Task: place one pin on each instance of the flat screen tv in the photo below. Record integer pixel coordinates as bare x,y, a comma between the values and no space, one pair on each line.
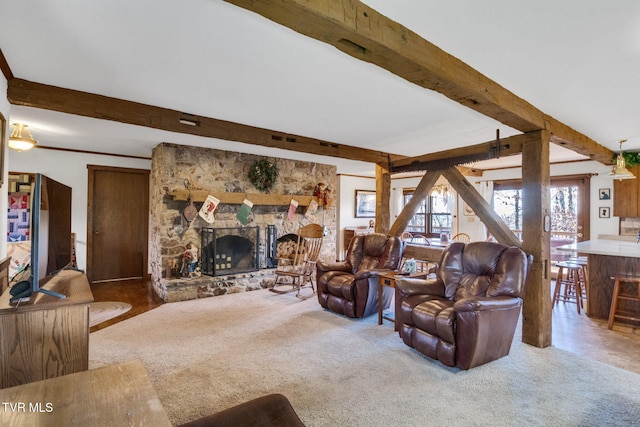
50,236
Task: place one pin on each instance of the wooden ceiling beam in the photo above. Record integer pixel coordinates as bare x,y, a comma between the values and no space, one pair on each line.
443,159
567,137
363,33
38,95
4,67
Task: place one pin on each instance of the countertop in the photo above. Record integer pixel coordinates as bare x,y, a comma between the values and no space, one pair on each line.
619,248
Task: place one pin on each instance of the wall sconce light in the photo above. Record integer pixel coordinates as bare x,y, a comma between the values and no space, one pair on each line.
21,138
620,170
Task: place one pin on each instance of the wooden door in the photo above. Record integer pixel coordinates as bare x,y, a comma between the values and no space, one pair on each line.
117,223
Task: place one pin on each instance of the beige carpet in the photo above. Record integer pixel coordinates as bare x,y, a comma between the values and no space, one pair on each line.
102,311
208,354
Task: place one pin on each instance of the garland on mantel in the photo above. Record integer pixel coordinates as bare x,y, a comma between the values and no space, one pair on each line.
263,174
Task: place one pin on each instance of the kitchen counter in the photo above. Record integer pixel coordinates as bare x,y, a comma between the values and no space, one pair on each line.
606,258
605,247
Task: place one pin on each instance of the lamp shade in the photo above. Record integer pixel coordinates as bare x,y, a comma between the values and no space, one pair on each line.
21,138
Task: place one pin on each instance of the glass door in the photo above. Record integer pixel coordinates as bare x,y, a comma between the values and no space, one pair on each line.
569,210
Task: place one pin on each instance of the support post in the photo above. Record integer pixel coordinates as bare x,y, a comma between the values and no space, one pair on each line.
383,197
536,312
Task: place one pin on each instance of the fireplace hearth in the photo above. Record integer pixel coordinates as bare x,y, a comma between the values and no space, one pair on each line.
229,250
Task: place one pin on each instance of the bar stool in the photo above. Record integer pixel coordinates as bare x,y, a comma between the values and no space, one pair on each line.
584,262
618,295
570,286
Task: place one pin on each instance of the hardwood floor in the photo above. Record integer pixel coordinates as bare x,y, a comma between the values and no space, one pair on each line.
589,337
138,293
573,332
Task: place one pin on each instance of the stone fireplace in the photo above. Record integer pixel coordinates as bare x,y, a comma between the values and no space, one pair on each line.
185,175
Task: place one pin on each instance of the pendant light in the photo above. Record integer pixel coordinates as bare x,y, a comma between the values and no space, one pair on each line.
620,170
21,138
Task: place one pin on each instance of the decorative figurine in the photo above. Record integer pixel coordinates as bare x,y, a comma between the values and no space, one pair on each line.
190,261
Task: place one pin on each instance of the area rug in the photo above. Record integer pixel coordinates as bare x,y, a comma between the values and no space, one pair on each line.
205,355
102,311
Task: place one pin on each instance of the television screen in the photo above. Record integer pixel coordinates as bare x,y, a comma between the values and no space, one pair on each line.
50,235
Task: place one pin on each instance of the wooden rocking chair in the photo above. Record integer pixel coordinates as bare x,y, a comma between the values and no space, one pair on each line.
300,267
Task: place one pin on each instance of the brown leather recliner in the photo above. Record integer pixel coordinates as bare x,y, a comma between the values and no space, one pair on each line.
467,315
350,287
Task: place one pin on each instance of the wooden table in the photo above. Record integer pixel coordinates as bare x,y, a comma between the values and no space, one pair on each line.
439,243
46,337
116,395
389,279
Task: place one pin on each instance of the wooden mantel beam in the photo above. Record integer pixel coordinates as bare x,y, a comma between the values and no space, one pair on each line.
38,95
362,32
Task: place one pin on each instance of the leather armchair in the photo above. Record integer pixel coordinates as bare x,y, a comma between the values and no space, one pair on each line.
350,287
467,314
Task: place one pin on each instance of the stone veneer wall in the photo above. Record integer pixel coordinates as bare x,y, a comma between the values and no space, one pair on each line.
176,166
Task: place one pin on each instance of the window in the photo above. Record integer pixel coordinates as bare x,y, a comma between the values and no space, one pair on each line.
569,210
433,215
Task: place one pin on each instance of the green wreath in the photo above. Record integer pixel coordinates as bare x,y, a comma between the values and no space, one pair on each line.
263,174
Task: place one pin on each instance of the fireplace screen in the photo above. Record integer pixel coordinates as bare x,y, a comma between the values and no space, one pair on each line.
229,250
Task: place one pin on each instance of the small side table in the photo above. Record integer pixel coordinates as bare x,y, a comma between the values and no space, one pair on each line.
389,279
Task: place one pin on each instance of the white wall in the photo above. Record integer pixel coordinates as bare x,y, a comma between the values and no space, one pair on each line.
69,169
347,186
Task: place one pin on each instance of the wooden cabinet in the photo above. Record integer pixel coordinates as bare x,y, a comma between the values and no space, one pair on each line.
46,337
626,201
349,232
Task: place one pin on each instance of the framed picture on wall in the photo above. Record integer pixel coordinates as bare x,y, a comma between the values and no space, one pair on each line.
365,204
604,194
604,212
466,209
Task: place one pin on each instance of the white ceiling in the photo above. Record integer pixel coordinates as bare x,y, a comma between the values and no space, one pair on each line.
577,60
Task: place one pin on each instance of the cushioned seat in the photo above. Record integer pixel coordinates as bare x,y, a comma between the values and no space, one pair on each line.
467,314
350,287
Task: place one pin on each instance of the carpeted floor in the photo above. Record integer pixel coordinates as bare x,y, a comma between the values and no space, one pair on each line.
205,355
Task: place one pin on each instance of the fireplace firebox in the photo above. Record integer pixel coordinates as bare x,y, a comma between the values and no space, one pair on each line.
229,250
